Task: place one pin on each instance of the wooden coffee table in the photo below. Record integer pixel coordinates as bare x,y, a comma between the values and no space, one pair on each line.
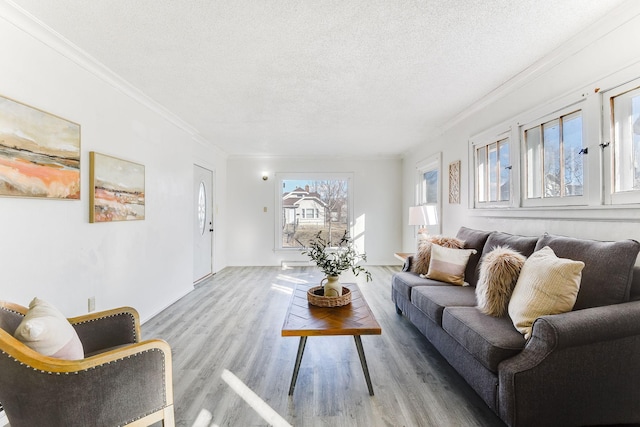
305,320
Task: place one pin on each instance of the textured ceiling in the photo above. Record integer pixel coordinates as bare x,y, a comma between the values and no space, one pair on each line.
312,77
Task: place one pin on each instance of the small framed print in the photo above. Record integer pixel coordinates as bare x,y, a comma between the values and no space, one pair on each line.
117,189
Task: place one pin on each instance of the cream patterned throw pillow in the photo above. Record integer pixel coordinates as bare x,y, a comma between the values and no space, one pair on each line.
448,265
499,272
547,285
46,330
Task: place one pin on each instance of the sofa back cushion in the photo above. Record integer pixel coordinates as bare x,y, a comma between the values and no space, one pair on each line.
523,244
607,274
473,239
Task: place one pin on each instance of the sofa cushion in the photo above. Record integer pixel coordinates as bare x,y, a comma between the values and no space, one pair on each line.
547,285
498,274
403,282
432,300
46,330
523,244
473,239
489,339
607,274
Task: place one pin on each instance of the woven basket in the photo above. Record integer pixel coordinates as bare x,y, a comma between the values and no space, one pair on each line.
316,297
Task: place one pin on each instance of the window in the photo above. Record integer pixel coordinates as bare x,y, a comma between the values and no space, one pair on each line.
493,172
310,203
428,187
622,121
554,166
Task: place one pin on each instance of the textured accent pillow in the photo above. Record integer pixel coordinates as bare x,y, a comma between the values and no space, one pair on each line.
46,330
422,258
499,271
547,285
448,264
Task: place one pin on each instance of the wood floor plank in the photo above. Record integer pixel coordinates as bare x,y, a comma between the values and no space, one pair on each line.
233,321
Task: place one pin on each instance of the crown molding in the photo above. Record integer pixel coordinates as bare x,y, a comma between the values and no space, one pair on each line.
23,20
580,41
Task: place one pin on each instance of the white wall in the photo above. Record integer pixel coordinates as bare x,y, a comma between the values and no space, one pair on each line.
251,231
583,64
48,247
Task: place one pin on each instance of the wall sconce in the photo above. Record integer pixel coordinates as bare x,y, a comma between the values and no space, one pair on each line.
265,176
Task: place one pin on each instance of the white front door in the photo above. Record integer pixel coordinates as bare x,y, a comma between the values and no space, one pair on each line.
203,223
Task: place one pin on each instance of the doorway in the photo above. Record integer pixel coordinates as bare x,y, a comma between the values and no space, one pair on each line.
203,223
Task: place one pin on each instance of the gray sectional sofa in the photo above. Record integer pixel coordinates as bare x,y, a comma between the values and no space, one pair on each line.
577,368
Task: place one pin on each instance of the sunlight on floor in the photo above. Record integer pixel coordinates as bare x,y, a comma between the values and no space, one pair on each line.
283,289
290,279
252,399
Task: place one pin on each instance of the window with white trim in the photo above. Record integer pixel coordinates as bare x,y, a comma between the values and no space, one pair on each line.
554,169
621,111
310,203
428,182
492,168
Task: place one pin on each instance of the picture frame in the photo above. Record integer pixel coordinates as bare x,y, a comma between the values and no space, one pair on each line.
454,182
117,189
39,153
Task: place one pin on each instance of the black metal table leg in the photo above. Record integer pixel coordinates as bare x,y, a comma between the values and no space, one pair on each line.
363,361
303,342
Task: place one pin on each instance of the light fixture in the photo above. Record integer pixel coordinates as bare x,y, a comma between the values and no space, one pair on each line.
265,176
423,215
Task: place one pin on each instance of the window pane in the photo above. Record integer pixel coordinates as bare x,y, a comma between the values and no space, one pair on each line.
431,186
505,173
626,123
572,144
551,153
481,156
534,164
493,172
310,206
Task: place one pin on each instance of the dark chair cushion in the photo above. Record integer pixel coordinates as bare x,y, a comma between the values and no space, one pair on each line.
489,339
635,285
473,239
432,300
607,273
524,245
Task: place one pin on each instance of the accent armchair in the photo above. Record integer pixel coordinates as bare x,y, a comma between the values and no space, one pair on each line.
121,381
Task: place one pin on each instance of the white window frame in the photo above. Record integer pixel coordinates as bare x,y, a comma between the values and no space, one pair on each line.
314,176
432,163
582,200
485,139
609,148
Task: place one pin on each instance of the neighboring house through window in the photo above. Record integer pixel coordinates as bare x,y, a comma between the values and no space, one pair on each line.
312,203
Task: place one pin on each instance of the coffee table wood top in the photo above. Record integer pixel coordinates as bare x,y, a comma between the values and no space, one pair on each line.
304,319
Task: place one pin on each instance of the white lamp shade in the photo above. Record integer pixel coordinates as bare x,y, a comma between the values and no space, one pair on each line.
423,215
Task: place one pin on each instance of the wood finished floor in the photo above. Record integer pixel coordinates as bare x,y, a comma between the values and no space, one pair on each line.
233,322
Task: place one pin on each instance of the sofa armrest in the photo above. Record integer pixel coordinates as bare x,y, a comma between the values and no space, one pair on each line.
577,368
107,329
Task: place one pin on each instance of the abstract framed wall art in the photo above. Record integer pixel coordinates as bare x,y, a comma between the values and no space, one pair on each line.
454,182
117,189
39,153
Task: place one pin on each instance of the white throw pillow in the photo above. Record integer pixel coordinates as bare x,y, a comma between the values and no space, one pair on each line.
46,330
546,285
